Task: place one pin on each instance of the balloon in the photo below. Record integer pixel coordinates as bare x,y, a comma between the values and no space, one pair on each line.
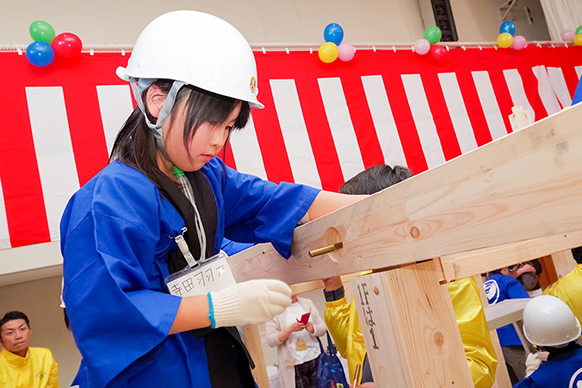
579,30
519,42
328,52
507,27
67,45
433,34
333,33
40,54
421,46
505,40
568,36
41,31
438,52
578,40
346,52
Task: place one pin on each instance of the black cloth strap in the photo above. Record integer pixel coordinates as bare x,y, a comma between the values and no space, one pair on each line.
228,357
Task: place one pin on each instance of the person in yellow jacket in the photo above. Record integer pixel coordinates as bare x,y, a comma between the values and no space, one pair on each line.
569,289
342,319
21,365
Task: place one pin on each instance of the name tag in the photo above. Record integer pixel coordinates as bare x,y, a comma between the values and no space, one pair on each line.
213,274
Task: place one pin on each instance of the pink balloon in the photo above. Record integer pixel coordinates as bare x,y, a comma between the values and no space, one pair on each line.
346,52
421,46
438,52
519,42
568,36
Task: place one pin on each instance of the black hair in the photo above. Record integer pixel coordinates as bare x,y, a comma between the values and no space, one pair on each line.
577,253
529,281
136,145
14,315
375,178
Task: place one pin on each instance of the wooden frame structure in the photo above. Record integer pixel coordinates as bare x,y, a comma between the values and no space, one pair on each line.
511,200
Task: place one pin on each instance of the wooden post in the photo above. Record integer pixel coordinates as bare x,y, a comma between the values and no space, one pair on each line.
255,348
502,379
564,263
409,328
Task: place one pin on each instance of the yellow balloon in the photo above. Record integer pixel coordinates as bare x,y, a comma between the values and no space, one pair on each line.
328,52
578,40
505,40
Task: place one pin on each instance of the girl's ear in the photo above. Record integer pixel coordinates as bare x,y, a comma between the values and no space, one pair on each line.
155,99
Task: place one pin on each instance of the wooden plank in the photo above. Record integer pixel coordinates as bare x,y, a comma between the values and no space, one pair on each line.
255,348
564,262
466,264
502,379
525,185
409,328
505,312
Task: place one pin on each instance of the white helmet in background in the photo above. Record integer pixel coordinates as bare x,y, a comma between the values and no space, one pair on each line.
198,49
548,321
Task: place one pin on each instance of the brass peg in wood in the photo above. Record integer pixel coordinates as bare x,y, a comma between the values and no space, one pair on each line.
326,249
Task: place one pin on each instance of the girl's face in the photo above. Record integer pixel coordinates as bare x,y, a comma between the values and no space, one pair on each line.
204,145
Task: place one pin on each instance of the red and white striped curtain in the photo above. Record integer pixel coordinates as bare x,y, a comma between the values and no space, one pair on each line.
323,123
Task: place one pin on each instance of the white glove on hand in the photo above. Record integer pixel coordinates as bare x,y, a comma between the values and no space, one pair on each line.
251,302
532,363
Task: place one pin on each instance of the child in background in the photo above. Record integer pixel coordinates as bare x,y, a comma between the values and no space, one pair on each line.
549,324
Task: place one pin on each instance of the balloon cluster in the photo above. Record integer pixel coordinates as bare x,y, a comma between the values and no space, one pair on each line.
507,37
333,48
432,35
46,45
570,36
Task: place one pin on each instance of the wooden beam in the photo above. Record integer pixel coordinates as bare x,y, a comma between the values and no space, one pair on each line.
466,264
255,348
502,379
409,329
564,262
525,185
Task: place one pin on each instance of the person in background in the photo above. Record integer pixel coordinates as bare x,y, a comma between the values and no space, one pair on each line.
498,287
569,287
528,274
21,365
296,342
343,322
550,325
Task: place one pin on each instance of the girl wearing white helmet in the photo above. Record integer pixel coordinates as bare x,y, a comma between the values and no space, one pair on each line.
194,78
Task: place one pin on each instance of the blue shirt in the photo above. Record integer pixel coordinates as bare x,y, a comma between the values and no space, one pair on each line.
498,288
115,235
564,370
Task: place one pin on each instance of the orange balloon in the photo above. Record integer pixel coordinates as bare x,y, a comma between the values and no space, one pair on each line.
505,40
328,52
578,40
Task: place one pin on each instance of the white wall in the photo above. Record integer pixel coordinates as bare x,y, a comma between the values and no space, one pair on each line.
479,20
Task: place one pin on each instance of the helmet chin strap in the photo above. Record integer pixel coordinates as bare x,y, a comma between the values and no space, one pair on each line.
138,86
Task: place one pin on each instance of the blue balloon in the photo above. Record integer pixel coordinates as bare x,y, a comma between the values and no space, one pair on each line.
333,33
40,54
507,26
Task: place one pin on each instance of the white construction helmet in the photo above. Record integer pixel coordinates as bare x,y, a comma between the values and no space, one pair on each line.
197,49
548,321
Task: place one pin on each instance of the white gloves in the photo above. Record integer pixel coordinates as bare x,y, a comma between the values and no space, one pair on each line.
251,302
532,363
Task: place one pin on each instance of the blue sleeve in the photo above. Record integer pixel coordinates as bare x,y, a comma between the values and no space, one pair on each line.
515,290
525,383
112,285
258,211
232,247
